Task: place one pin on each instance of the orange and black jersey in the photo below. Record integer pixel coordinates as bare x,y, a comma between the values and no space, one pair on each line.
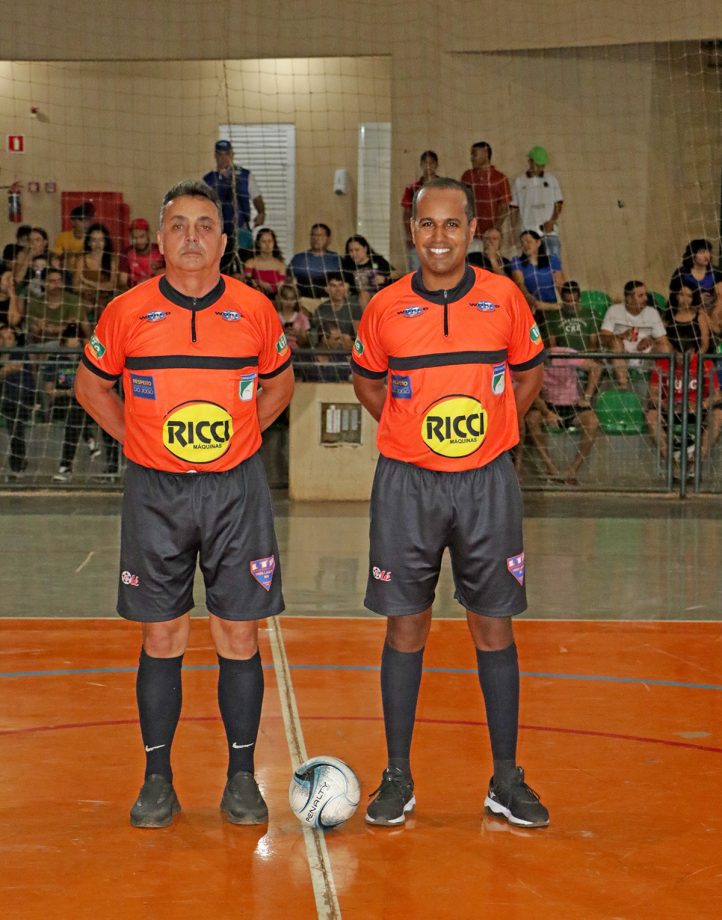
447,357
191,369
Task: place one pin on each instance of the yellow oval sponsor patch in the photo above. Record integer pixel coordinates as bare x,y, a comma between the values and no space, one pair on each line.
454,426
198,432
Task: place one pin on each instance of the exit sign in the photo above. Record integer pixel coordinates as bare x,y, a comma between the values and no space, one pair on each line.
16,143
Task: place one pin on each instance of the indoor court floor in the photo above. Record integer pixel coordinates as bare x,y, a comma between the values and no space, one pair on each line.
621,710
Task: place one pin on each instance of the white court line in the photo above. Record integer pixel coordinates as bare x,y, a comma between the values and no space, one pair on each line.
85,561
319,863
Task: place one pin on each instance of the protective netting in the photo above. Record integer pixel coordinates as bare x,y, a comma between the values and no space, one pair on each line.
631,129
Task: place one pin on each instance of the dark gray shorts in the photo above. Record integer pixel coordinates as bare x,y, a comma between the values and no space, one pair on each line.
223,520
416,513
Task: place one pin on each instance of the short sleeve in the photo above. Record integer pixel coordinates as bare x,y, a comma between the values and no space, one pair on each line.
556,188
658,330
504,189
555,263
105,352
369,357
609,320
526,348
253,189
274,354
514,194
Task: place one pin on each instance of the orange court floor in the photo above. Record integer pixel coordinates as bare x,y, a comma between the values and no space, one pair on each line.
620,734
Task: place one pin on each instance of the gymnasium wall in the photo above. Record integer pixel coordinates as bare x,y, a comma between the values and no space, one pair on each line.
614,90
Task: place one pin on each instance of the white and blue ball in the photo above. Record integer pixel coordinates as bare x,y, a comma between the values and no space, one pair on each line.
324,792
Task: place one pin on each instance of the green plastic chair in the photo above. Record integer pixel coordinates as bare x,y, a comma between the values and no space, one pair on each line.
596,301
660,301
620,412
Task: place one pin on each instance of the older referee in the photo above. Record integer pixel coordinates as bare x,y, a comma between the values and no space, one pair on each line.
205,368
432,363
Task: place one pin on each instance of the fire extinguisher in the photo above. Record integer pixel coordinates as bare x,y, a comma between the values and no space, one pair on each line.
15,204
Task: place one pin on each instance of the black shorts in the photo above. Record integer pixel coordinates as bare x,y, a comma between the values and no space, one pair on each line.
223,520
416,513
568,414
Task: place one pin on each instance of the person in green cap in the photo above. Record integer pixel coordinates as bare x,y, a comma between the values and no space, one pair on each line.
536,201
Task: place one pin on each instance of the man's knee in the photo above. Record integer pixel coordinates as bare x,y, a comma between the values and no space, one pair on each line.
490,633
408,633
166,640
236,639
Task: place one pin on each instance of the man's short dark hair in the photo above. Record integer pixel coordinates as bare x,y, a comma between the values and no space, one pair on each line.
631,286
429,154
446,183
482,145
571,287
324,227
191,188
23,230
335,276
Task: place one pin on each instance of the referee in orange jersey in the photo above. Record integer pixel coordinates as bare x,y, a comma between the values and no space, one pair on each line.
205,368
432,363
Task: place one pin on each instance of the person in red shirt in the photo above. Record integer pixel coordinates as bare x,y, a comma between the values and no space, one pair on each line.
429,163
205,368
142,259
432,363
491,190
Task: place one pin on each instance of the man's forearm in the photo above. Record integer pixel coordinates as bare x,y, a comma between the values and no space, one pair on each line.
105,406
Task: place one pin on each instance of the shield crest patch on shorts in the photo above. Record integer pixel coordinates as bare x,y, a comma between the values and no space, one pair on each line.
263,569
515,564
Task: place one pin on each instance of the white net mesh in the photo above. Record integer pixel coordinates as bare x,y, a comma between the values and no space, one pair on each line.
628,109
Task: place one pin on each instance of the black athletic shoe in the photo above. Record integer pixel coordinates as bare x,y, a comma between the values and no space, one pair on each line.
394,798
242,802
517,802
156,804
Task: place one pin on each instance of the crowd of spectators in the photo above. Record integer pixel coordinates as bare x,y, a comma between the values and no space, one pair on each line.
51,297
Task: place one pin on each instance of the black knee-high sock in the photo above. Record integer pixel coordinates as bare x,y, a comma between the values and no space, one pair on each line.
499,679
400,681
240,697
159,692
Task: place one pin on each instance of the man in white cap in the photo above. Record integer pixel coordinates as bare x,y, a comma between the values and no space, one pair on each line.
536,201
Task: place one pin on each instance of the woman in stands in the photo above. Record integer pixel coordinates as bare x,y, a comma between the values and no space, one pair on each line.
366,271
294,319
23,263
697,273
266,270
539,276
687,325
96,272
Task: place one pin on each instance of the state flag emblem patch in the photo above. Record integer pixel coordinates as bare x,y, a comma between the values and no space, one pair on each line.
515,564
262,570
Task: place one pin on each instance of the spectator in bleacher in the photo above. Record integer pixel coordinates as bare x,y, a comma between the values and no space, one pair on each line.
58,379
563,404
266,270
633,327
539,276
490,258
17,393
536,201
491,191
657,416
366,270
686,325
96,271
10,314
23,267
69,243
11,250
577,327
341,309
429,163
331,368
142,259
295,321
47,316
237,188
311,269
697,272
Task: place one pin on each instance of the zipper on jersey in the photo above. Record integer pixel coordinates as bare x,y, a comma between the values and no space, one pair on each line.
193,320
446,314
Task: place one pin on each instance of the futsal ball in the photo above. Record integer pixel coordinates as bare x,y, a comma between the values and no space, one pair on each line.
324,792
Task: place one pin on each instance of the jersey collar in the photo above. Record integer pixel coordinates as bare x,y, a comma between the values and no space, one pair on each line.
461,290
192,303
